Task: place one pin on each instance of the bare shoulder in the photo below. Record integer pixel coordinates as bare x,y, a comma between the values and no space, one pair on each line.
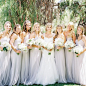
14,36
84,37
32,35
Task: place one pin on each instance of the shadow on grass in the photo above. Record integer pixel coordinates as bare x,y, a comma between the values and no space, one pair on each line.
56,84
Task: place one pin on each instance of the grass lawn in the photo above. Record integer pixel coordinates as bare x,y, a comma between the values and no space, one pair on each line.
60,84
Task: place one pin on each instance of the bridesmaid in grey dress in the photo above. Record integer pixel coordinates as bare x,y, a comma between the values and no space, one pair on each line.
60,56
35,55
5,56
15,56
79,68
69,35
25,56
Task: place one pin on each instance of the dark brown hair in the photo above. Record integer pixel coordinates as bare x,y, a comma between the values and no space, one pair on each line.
56,33
24,26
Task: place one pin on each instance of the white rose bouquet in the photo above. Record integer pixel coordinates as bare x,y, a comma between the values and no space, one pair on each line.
22,47
78,49
69,44
59,42
30,42
6,46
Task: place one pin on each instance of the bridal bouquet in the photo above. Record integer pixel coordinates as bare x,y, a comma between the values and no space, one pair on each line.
49,46
22,47
78,49
30,41
6,46
69,44
59,42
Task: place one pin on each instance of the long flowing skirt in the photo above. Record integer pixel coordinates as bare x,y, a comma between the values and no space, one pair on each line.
4,67
15,68
25,66
47,73
60,65
69,60
35,57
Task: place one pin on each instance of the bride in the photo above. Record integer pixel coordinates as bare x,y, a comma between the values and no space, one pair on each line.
47,73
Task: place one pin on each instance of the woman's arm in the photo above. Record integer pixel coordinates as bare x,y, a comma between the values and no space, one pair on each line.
84,40
13,38
74,37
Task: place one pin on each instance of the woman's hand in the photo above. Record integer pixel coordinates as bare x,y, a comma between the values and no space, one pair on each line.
58,47
39,46
29,47
81,52
1,48
18,51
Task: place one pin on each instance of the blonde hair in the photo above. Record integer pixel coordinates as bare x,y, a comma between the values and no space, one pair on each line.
34,26
48,24
8,22
72,25
81,27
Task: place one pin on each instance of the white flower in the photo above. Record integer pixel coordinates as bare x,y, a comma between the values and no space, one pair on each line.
6,45
59,42
69,44
50,46
78,49
39,42
22,47
30,41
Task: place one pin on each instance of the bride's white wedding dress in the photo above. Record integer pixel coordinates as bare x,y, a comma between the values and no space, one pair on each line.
4,64
15,64
47,73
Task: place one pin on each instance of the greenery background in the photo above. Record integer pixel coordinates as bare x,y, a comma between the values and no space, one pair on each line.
43,11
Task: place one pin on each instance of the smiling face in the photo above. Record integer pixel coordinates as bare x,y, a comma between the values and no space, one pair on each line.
49,28
18,29
79,31
69,27
59,29
37,27
28,26
7,27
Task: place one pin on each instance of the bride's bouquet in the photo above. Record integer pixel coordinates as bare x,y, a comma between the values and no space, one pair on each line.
49,46
6,46
59,42
78,49
22,47
69,44
30,42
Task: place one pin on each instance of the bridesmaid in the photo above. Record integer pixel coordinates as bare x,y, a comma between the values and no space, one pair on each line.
69,35
15,56
5,56
25,57
60,56
47,73
35,55
79,74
